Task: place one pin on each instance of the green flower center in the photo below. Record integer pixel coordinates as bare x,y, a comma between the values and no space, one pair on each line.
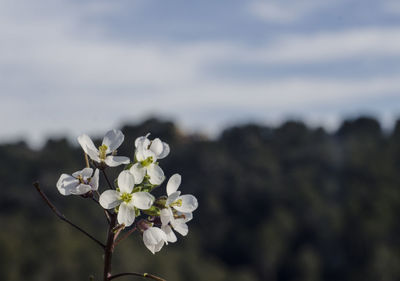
147,161
102,151
177,203
126,197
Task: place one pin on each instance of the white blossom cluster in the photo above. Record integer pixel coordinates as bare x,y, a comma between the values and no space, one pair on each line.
131,197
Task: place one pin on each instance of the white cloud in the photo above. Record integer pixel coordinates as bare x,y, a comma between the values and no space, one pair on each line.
286,11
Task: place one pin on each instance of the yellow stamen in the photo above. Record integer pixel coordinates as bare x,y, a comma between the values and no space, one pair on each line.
102,151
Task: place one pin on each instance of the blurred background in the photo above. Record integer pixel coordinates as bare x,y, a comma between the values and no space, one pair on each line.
281,117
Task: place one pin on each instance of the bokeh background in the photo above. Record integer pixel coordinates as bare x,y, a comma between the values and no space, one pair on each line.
281,117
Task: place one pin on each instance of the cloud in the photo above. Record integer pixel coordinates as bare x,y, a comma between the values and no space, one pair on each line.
286,11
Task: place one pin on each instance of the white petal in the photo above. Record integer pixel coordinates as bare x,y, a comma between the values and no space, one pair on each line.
153,237
189,204
126,181
94,182
138,171
180,227
81,189
85,173
88,146
186,216
172,198
114,161
86,142
113,139
66,183
142,200
110,199
166,216
156,146
93,154
142,141
156,174
165,151
126,214
158,247
171,237
173,183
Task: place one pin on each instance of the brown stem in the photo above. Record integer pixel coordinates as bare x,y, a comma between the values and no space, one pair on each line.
61,216
87,161
125,236
109,249
143,275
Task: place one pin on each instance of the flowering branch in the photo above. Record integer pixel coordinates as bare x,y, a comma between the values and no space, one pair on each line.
130,197
144,275
61,216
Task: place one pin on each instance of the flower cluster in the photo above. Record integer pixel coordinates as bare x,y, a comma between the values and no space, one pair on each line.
131,196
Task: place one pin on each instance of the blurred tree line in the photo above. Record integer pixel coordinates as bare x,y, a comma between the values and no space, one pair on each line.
287,203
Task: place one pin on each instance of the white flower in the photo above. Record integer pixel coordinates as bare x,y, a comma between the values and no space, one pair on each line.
125,199
111,141
154,239
79,183
184,205
147,153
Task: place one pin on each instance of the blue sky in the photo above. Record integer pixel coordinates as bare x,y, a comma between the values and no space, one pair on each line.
68,67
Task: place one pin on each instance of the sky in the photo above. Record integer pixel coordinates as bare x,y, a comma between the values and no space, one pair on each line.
69,67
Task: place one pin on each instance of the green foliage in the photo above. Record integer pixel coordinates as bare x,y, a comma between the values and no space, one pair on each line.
286,203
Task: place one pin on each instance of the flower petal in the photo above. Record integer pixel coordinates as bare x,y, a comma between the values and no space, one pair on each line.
94,182
138,171
172,198
142,141
171,237
88,146
158,247
126,214
166,216
156,174
142,200
165,151
85,173
81,189
154,239
156,146
189,204
113,139
66,184
180,227
110,199
114,161
173,183
93,154
126,181
185,216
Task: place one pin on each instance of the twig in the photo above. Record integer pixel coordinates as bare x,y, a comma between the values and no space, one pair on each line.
61,216
109,248
87,161
143,275
125,236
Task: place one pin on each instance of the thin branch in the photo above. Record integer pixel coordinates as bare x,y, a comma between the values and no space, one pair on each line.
108,181
61,216
106,212
143,275
125,236
87,161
